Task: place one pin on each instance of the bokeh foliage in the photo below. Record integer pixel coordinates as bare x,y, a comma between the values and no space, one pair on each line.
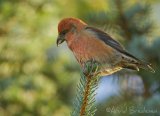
37,78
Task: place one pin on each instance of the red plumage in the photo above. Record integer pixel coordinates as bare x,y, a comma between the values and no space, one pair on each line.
88,43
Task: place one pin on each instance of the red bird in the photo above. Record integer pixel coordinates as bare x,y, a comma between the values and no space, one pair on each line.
88,43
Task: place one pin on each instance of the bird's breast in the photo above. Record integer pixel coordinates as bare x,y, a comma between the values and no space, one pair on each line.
80,50
86,48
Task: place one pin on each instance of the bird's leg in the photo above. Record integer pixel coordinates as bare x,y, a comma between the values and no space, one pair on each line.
90,68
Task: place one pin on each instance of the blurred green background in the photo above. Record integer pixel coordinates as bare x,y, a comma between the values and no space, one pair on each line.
39,79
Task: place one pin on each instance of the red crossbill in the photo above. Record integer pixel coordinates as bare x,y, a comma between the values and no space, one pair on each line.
89,43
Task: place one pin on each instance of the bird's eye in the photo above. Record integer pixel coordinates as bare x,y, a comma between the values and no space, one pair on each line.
64,32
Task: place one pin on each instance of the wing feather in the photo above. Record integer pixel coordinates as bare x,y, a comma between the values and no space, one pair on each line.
110,41
132,60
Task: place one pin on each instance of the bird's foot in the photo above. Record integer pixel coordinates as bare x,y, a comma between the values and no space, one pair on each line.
90,68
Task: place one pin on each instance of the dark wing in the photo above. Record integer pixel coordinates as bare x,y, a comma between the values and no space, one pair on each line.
109,41
114,44
106,38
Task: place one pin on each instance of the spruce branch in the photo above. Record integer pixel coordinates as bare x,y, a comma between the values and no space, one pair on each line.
84,103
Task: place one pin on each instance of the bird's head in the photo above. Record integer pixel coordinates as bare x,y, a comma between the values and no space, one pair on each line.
68,26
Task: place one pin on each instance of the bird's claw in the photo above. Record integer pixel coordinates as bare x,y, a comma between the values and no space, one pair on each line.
90,68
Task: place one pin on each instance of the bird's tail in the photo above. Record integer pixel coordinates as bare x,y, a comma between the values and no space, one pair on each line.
145,66
131,62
